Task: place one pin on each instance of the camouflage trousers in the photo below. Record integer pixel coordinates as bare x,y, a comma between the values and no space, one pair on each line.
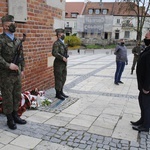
60,73
11,93
135,59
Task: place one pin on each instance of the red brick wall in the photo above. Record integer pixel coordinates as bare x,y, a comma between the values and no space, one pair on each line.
38,44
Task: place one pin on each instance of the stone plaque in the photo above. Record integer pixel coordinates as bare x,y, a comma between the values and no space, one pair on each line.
18,8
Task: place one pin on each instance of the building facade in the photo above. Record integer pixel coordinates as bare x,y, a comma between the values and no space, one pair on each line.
105,22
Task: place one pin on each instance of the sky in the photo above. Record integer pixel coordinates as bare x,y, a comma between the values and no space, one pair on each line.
90,0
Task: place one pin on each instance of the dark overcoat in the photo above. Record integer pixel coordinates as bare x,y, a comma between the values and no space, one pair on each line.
143,70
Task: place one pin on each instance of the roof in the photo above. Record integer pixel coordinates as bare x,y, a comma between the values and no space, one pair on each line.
74,7
114,8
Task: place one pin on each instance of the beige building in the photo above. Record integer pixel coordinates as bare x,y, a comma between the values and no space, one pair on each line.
105,22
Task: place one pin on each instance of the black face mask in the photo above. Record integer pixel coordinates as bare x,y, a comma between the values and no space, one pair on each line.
62,37
122,43
147,42
12,27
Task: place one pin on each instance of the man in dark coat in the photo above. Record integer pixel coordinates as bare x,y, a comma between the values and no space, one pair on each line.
10,73
143,79
60,52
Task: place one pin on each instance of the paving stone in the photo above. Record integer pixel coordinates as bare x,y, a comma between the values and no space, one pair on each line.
112,148
106,147
76,140
70,143
55,140
134,144
82,141
86,138
112,144
75,144
82,146
89,142
26,142
125,148
99,145
64,137
133,148
88,147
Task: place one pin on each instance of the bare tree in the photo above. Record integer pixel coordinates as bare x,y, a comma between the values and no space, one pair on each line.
140,8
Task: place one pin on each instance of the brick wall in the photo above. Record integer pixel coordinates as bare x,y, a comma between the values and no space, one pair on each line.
38,44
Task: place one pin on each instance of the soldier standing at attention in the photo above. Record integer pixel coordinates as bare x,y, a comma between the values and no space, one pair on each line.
60,52
136,51
10,73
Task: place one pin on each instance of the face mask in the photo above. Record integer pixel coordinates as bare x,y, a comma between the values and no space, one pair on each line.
62,37
147,42
12,27
122,43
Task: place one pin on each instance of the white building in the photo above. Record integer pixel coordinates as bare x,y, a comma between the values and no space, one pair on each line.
102,21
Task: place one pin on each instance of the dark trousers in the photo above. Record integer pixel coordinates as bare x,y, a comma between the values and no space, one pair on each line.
119,69
60,73
144,103
135,59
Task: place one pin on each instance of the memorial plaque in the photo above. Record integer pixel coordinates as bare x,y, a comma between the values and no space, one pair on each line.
18,8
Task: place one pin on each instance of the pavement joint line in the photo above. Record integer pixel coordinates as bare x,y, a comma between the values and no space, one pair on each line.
103,94
85,61
85,76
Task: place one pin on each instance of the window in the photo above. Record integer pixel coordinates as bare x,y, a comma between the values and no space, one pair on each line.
116,34
127,34
104,11
106,35
74,15
90,11
118,21
67,24
75,25
97,11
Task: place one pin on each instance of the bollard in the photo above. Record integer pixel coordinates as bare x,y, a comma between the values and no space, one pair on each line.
78,51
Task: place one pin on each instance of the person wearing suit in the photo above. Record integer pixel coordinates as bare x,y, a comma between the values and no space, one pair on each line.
143,80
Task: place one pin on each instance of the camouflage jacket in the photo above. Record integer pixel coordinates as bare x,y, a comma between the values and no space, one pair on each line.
137,50
7,53
59,50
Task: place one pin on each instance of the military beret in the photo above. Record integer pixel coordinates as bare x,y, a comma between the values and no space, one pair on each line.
59,30
147,36
7,18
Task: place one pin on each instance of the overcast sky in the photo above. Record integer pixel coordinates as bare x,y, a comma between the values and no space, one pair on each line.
90,0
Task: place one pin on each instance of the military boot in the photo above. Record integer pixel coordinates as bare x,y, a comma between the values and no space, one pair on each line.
59,96
17,119
63,94
10,122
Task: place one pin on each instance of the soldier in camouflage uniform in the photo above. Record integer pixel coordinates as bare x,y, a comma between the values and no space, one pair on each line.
136,51
59,51
10,73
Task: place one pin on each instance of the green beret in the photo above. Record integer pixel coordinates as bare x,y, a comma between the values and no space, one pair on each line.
59,30
7,18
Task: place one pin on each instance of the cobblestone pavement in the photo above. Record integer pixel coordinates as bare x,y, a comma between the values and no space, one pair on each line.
96,116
